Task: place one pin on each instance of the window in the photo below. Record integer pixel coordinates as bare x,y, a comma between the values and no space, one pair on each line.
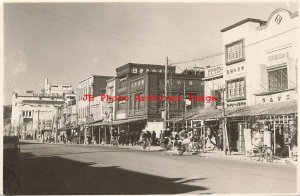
278,79
236,89
235,52
26,114
217,94
122,105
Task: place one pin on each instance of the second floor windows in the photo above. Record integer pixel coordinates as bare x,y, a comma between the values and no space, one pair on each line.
234,52
278,79
26,114
236,89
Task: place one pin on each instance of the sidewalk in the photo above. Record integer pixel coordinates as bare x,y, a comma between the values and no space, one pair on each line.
239,156
210,153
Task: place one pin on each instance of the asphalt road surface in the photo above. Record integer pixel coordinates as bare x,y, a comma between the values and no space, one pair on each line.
66,169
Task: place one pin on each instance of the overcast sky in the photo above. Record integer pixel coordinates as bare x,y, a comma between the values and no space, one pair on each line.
66,42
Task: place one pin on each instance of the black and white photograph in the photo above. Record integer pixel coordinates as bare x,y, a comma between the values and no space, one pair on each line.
150,98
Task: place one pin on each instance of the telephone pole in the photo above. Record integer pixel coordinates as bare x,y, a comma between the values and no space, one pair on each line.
225,134
166,93
184,111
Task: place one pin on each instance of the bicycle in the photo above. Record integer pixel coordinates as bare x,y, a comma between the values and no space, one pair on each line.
266,153
146,144
115,143
195,147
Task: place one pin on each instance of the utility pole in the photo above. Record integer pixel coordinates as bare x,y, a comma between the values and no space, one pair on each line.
184,111
166,93
39,122
225,134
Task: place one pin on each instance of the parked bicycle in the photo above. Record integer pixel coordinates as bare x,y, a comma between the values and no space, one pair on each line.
146,144
266,153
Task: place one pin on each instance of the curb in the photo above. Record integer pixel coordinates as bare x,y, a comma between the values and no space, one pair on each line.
158,148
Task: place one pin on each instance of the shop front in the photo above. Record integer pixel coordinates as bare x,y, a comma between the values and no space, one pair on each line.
273,125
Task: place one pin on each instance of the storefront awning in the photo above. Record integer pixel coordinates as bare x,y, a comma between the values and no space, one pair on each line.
127,121
278,108
206,113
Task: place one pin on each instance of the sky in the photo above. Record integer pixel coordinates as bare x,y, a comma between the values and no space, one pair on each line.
66,42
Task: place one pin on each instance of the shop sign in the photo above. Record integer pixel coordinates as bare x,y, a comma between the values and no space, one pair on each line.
233,70
278,57
121,116
236,104
277,97
143,70
214,71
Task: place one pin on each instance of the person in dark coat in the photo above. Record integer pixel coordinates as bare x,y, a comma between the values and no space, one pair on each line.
153,138
132,137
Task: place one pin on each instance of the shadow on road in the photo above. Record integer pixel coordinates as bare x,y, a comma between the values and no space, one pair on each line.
56,175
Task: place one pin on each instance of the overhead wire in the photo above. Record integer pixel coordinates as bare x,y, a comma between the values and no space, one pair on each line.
95,30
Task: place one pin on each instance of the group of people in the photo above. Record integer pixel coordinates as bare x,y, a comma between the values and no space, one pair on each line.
205,138
134,137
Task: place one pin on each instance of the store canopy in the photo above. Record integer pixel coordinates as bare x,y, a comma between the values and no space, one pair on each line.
127,121
101,123
206,113
278,108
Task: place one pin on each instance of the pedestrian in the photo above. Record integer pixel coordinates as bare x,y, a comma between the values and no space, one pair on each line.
127,136
153,138
132,137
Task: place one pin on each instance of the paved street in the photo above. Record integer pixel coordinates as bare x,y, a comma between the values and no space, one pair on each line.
63,169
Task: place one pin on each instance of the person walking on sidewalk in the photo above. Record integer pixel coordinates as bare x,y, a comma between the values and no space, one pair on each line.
153,138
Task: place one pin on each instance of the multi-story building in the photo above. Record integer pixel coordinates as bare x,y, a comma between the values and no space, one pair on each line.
88,89
260,72
138,80
32,113
93,85
110,106
57,89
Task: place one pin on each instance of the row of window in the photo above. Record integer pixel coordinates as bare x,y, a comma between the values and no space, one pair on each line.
137,83
236,89
27,114
277,80
235,52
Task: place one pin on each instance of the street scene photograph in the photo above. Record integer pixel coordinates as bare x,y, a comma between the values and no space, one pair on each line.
150,98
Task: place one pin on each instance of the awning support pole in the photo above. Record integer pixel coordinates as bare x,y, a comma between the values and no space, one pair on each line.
105,135
274,137
99,129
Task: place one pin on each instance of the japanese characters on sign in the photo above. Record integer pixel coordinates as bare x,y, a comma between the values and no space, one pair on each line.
278,57
235,70
237,104
143,70
214,71
277,97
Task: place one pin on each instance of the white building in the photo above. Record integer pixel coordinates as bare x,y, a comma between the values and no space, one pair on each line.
29,109
110,106
260,73
260,57
57,89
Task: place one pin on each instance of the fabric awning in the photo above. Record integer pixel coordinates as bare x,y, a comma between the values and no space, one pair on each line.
278,108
